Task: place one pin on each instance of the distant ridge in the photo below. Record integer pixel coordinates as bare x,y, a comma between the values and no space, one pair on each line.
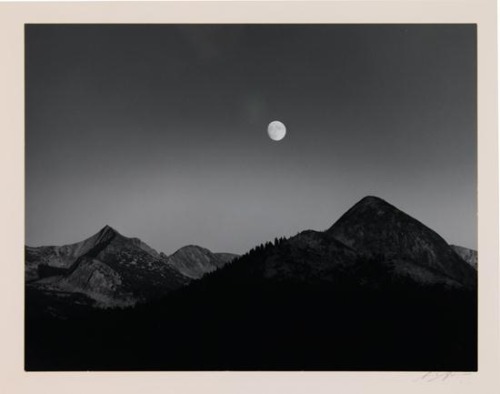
194,261
116,271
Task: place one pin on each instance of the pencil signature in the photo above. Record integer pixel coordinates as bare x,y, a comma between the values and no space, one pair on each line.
441,376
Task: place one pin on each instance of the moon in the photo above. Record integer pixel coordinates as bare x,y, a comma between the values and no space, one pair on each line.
276,130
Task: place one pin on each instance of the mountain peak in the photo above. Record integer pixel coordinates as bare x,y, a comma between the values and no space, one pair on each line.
367,208
107,229
106,233
372,200
373,227
371,203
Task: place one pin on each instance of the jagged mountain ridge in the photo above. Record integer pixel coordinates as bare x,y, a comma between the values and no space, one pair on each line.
111,269
65,256
310,302
114,270
124,271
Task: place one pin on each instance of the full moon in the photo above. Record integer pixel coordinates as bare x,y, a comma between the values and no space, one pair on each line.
276,130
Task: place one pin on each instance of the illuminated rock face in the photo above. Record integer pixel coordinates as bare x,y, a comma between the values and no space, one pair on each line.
108,268
116,271
194,261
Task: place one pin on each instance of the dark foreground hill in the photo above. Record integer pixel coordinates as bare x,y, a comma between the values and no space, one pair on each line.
377,291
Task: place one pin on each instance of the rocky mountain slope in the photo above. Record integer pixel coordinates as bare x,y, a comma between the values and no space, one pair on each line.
116,271
63,257
468,255
194,261
373,244
109,268
375,228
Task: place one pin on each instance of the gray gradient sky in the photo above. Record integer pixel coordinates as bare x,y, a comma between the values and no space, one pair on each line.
160,130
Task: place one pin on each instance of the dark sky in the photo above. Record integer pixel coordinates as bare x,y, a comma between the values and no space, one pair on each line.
160,130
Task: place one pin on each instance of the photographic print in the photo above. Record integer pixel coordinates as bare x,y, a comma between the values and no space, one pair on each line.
251,197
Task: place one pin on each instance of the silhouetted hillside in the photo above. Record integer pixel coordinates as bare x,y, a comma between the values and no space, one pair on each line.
374,227
377,291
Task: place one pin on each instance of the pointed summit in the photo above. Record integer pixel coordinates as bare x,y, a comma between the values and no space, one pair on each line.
369,206
105,235
107,229
108,268
373,227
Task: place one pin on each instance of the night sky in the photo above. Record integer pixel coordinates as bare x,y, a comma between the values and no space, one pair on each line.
161,130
